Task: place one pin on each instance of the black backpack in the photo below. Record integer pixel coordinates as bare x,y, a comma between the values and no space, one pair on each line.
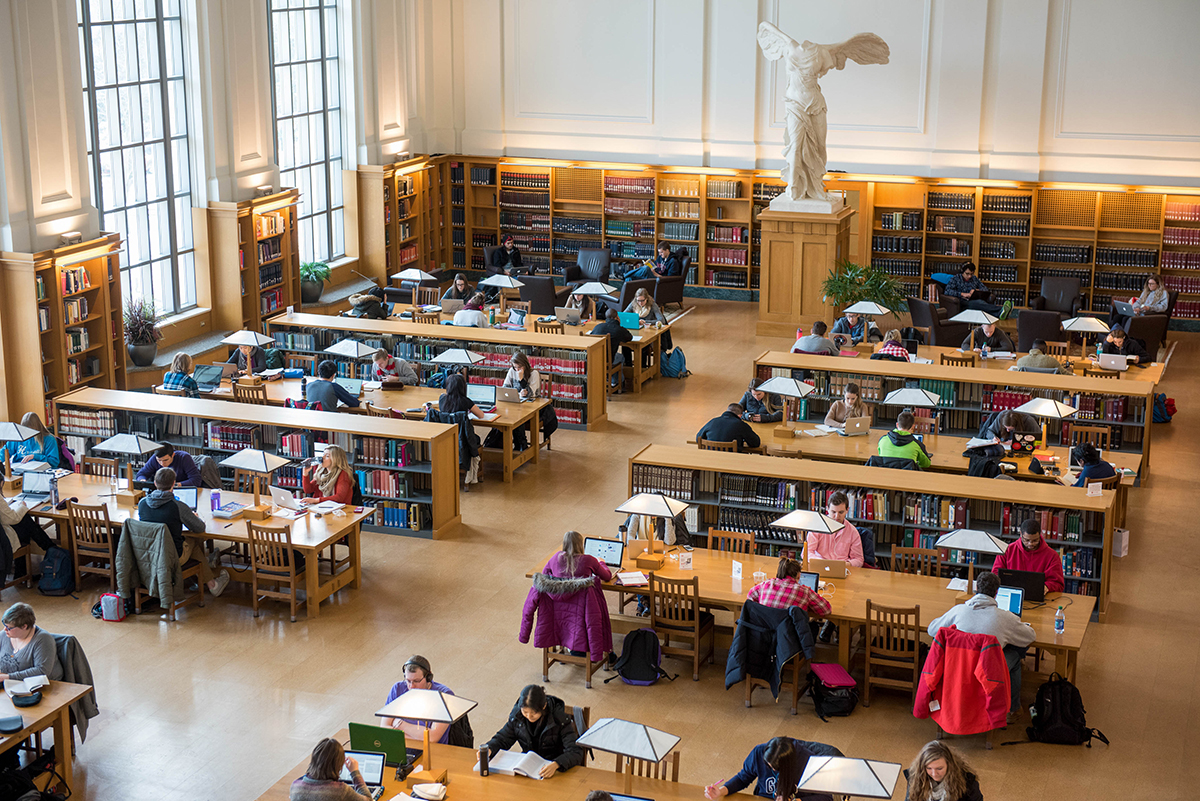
461,733
831,701
58,575
1058,715
641,654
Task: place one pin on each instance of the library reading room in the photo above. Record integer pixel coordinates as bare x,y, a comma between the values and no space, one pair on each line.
599,400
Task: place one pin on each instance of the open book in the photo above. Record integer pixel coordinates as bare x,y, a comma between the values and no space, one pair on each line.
513,763
29,686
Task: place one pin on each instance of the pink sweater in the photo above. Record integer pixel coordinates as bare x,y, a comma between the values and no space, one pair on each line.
1042,560
845,544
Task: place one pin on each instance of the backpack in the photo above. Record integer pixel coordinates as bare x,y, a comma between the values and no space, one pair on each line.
58,575
1058,715
461,733
674,364
833,691
65,455
274,358
641,655
1163,408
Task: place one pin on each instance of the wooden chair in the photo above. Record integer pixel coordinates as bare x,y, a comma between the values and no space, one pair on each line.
559,655
674,611
1094,372
272,563
730,541
1059,350
555,327
1110,483
161,390
425,296
189,571
243,480
305,361
926,425
893,643
255,394
1097,435
95,466
427,318
506,304
667,770
93,543
615,369
790,680
921,561
950,360
715,445
379,411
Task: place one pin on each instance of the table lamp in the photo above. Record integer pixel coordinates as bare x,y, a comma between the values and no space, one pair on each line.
869,309
416,275
12,432
594,288
1046,409
969,539
912,396
351,348
428,706
247,337
457,356
806,520
660,507
1085,325
630,740
128,445
501,282
260,463
974,317
847,776
789,388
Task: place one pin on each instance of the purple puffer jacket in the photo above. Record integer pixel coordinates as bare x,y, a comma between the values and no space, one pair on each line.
571,612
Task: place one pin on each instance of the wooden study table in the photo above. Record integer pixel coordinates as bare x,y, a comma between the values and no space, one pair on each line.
1152,372
463,783
310,535
507,418
52,712
719,589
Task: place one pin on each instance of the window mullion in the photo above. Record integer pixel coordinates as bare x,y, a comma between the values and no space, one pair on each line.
168,156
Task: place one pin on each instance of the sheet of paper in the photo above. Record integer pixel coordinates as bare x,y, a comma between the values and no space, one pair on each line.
827,429
737,569
286,514
958,585
815,432
325,507
488,417
1002,354
979,442
920,360
637,337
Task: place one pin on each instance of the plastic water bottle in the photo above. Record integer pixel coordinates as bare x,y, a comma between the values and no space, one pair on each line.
983,351
1060,622
54,490
214,499
491,316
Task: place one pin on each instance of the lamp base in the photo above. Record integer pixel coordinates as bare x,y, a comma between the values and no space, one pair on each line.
426,777
650,561
260,512
127,497
785,431
11,484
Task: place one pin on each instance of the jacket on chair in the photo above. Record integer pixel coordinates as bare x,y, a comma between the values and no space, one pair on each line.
765,639
966,678
570,612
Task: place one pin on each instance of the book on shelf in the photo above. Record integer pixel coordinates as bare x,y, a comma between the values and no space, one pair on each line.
723,190
269,224
75,280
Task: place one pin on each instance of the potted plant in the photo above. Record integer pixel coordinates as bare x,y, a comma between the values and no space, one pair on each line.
848,283
313,275
141,331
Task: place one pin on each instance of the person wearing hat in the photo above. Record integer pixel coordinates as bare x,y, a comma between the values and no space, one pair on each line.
418,675
506,260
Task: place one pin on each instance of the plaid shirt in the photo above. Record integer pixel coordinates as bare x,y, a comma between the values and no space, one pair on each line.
181,381
785,592
894,348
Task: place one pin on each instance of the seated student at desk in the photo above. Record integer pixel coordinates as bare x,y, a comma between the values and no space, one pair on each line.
1002,426
523,377
331,480
785,591
322,781
418,675
759,406
845,543
616,333
20,527
981,615
729,427
901,444
816,342
455,399
506,259
775,767
471,314
26,649
459,290
1118,341
855,327
891,347
991,336
1153,300
1034,554
849,406
249,359
1094,467
539,722
186,472
160,506
1038,359
180,376
385,367
41,447
323,390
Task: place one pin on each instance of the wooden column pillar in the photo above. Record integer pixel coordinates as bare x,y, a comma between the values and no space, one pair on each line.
798,251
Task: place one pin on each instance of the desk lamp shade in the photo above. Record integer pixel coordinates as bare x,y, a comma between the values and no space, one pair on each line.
1046,407
629,739
969,539
594,288
428,706
975,317
255,461
351,348
128,444
457,356
809,520
653,504
248,338
501,281
1086,325
788,387
912,396
15,432
863,778
867,307
413,274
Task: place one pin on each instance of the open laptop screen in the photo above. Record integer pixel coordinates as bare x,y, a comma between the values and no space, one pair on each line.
610,552
35,482
809,580
370,765
482,393
1010,598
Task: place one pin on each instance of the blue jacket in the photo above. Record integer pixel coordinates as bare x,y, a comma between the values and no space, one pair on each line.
856,332
47,452
755,769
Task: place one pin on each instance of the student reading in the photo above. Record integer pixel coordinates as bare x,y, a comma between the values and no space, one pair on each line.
41,447
729,427
186,472
539,722
775,768
972,291
939,773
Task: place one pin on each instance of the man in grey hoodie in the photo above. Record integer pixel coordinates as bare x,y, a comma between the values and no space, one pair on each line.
981,615
160,506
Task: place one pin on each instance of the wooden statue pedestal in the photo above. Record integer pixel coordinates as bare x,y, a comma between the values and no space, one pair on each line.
797,253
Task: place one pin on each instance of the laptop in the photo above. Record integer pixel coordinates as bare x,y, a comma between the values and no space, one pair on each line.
1114,361
190,496
284,499
1032,582
810,580
856,427
208,376
351,385
227,370
450,306
370,765
1010,598
829,568
610,552
911,345
35,488
482,394
1124,307
367,737
630,320
567,316
516,317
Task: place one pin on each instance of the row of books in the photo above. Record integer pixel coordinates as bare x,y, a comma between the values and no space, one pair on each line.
677,230
269,224
458,237
725,256
270,249
951,200
950,247
231,436
779,493
43,318
1004,226
572,246
404,230
905,267
39,285
886,243
677,482
1114,408
75,279
1126,257
950,225
1175,260
1062,252
481,239
1178,283
1080,562
390,452
725,278
578,225
270,301
625,205
531,244
75,310
524,200
1004,273
997,250
514,220
1057,524
997,400
405,185
631,186
629,228
1181,236
630,250
767,192
1077,587
87,422
900,220
724,233
723,190
78,370
391,514
1183,212
1039,274
1012,203
382,483
482,176
295,445
408,253
458,195
270,275
679,187
1131,282
679,209
526,180
77,340
404,208
755,522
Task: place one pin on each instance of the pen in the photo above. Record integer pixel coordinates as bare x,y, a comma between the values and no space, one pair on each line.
227,525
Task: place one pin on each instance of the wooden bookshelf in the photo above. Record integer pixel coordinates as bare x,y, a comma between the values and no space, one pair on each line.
430,474
747,492
65,306
574,365
969,395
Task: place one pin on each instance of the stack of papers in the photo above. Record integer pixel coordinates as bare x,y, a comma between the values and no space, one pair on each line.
827,429
29,467
634,578
980,442
920,360
815,432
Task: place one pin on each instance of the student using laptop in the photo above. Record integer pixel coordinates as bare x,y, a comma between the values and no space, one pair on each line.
1153,300
41,447
981,615
775,768
161,506
1034,554
522,377
385,367
816,342
648,313
186,472
1094,467
729,427
759,406
459,290
1119,342
180,376
849,406
856,327
901,444
455,399
892,346
321,783
616,333
249,359
592,623
324,390
844,544
20,526
785,590
967,286
1038,359
991,336
418,675
331,480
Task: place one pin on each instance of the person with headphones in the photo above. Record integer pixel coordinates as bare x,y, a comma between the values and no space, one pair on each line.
418,675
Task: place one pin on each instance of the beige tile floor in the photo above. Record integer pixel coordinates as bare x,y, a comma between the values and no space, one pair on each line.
220,705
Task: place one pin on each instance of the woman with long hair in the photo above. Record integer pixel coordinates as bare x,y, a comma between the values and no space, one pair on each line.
521,375
331,480
321,781
939,773
41,447
1152,300
455,399
760,407
849,406
539,722
180,376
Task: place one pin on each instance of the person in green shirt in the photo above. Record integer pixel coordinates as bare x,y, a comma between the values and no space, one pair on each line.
901,444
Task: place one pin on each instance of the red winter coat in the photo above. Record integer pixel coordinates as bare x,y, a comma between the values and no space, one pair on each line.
570,612
967,676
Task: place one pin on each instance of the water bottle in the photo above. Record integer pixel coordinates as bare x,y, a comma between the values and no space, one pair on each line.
483,761
491,316
214,499
983,351
1060,622
303,387
54,490
1099,350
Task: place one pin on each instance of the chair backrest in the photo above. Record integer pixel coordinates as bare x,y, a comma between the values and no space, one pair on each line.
89,524
425,296
250,393
378,411
539,291
1112,482
630,288
1060,293
673,602
926,425
667,769
966,360
594,263
305,361
161,390
95,466
427,318
243,480
1092,372
1150,330
268,548
1097,435
548,328
1172,296
894,632
921,561
1059,350
730,541
488,250
506,304
716,445
1035,324
893,462
921,312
